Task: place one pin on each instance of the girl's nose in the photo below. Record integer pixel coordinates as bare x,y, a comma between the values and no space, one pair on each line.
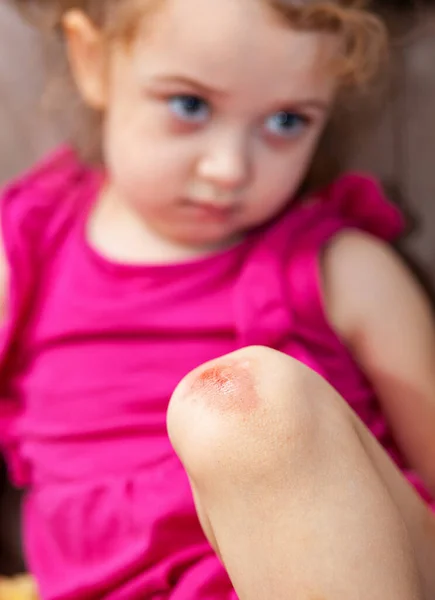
226,166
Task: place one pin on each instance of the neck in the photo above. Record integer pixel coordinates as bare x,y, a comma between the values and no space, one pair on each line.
119,233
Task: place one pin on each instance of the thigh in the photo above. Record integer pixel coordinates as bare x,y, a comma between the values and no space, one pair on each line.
418,516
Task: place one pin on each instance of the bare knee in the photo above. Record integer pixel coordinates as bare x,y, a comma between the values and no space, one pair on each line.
241,414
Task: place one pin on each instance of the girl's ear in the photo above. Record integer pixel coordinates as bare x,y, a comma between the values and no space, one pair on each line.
87,54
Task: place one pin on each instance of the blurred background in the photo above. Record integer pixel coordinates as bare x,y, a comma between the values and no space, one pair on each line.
395,140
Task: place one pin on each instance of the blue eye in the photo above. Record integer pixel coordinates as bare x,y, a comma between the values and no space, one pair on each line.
189,108
286,124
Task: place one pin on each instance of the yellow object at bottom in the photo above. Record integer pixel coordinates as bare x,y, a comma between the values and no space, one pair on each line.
22,587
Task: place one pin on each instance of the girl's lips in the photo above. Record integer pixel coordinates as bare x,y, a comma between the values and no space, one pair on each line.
208,210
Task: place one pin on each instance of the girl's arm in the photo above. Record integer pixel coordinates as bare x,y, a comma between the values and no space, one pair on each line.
383,315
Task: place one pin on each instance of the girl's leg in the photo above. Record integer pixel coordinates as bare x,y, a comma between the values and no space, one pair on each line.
292,491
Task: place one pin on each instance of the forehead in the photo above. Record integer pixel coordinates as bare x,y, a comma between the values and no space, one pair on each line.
235,45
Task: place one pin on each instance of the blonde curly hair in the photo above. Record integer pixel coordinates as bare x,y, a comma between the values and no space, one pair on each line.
363,49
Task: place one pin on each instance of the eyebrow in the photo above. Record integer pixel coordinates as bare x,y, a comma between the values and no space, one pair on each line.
189,81
301,103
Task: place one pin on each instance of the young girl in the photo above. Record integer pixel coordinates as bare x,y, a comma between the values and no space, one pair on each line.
183,243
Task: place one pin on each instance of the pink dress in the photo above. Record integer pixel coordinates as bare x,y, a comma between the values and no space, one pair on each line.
92,350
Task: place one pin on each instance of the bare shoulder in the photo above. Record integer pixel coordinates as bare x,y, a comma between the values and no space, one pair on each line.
364,278
360,257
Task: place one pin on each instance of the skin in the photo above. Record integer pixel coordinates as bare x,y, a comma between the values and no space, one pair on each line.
230,387
391,334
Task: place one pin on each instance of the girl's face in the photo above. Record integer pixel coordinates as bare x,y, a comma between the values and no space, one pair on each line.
212,116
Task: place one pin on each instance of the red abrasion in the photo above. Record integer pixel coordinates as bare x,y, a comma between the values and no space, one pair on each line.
228,387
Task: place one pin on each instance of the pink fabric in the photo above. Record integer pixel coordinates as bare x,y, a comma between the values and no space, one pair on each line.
92,351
